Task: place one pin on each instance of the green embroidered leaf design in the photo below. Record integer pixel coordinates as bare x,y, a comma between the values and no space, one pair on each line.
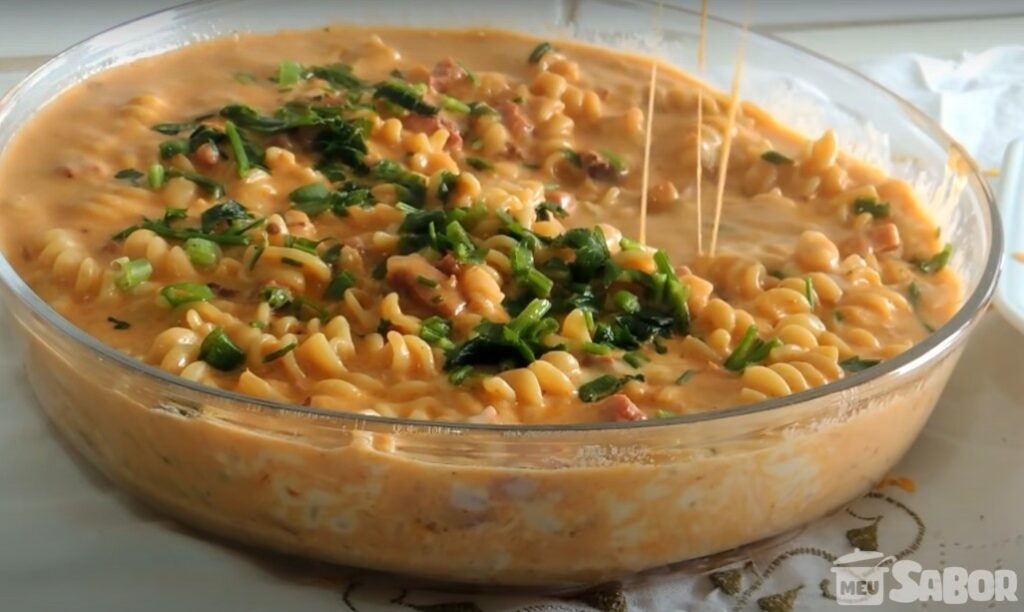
730,581
606,598
780,602
864,538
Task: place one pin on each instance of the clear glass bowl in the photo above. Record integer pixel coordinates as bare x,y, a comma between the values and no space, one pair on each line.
555,505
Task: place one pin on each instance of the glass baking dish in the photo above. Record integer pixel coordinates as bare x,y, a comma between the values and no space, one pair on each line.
514,505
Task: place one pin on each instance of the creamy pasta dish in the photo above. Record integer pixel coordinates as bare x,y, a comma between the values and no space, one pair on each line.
447,226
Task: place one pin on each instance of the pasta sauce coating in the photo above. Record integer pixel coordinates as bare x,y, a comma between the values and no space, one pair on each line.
442,225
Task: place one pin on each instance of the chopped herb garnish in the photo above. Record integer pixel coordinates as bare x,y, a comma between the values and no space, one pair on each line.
301,304
404,95
774,157
132,273
936,262
215,188
220,352
446,185
436,331
341,283
547,209
873,207
383,326
155,176
914,297
838,316
539,52
454,105
202,251
281,352
856,364
237,149
470,75
605,385
185,293
685,377
635,359
426,282
664,414
626,301
478,109
478,163
809,290
118,323
615,160
289,73
276,297
129,174
414,185
170,148
173,129
573,157
460,374
597,349
750,350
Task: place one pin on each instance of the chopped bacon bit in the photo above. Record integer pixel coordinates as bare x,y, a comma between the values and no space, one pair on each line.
514,119
621,408
449,265
428,125
222,291
81,168
110,247
207,154
408,273
597,167
446,74
884,237
877,239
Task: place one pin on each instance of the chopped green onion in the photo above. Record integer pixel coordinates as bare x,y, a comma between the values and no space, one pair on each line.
615,160
573,157
685,377
281,352
118,323
603,386
185,293
288,73
276,297
539,52
214,187
202,252
626,301
173,129
339,285
237,149
460,374
871,206
446,185
809,290
426,282
303,303
436,331
635,359
220,352
937,262
128,174
478,163
170,148
454,105
838,316
774,157
597,349
132,273
470,75
155,176
856,364
403,95
664,414
627,244
750,350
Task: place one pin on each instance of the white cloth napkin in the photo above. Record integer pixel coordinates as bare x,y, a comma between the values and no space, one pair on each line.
978,99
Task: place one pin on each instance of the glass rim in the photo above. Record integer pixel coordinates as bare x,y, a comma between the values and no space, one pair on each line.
913,358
